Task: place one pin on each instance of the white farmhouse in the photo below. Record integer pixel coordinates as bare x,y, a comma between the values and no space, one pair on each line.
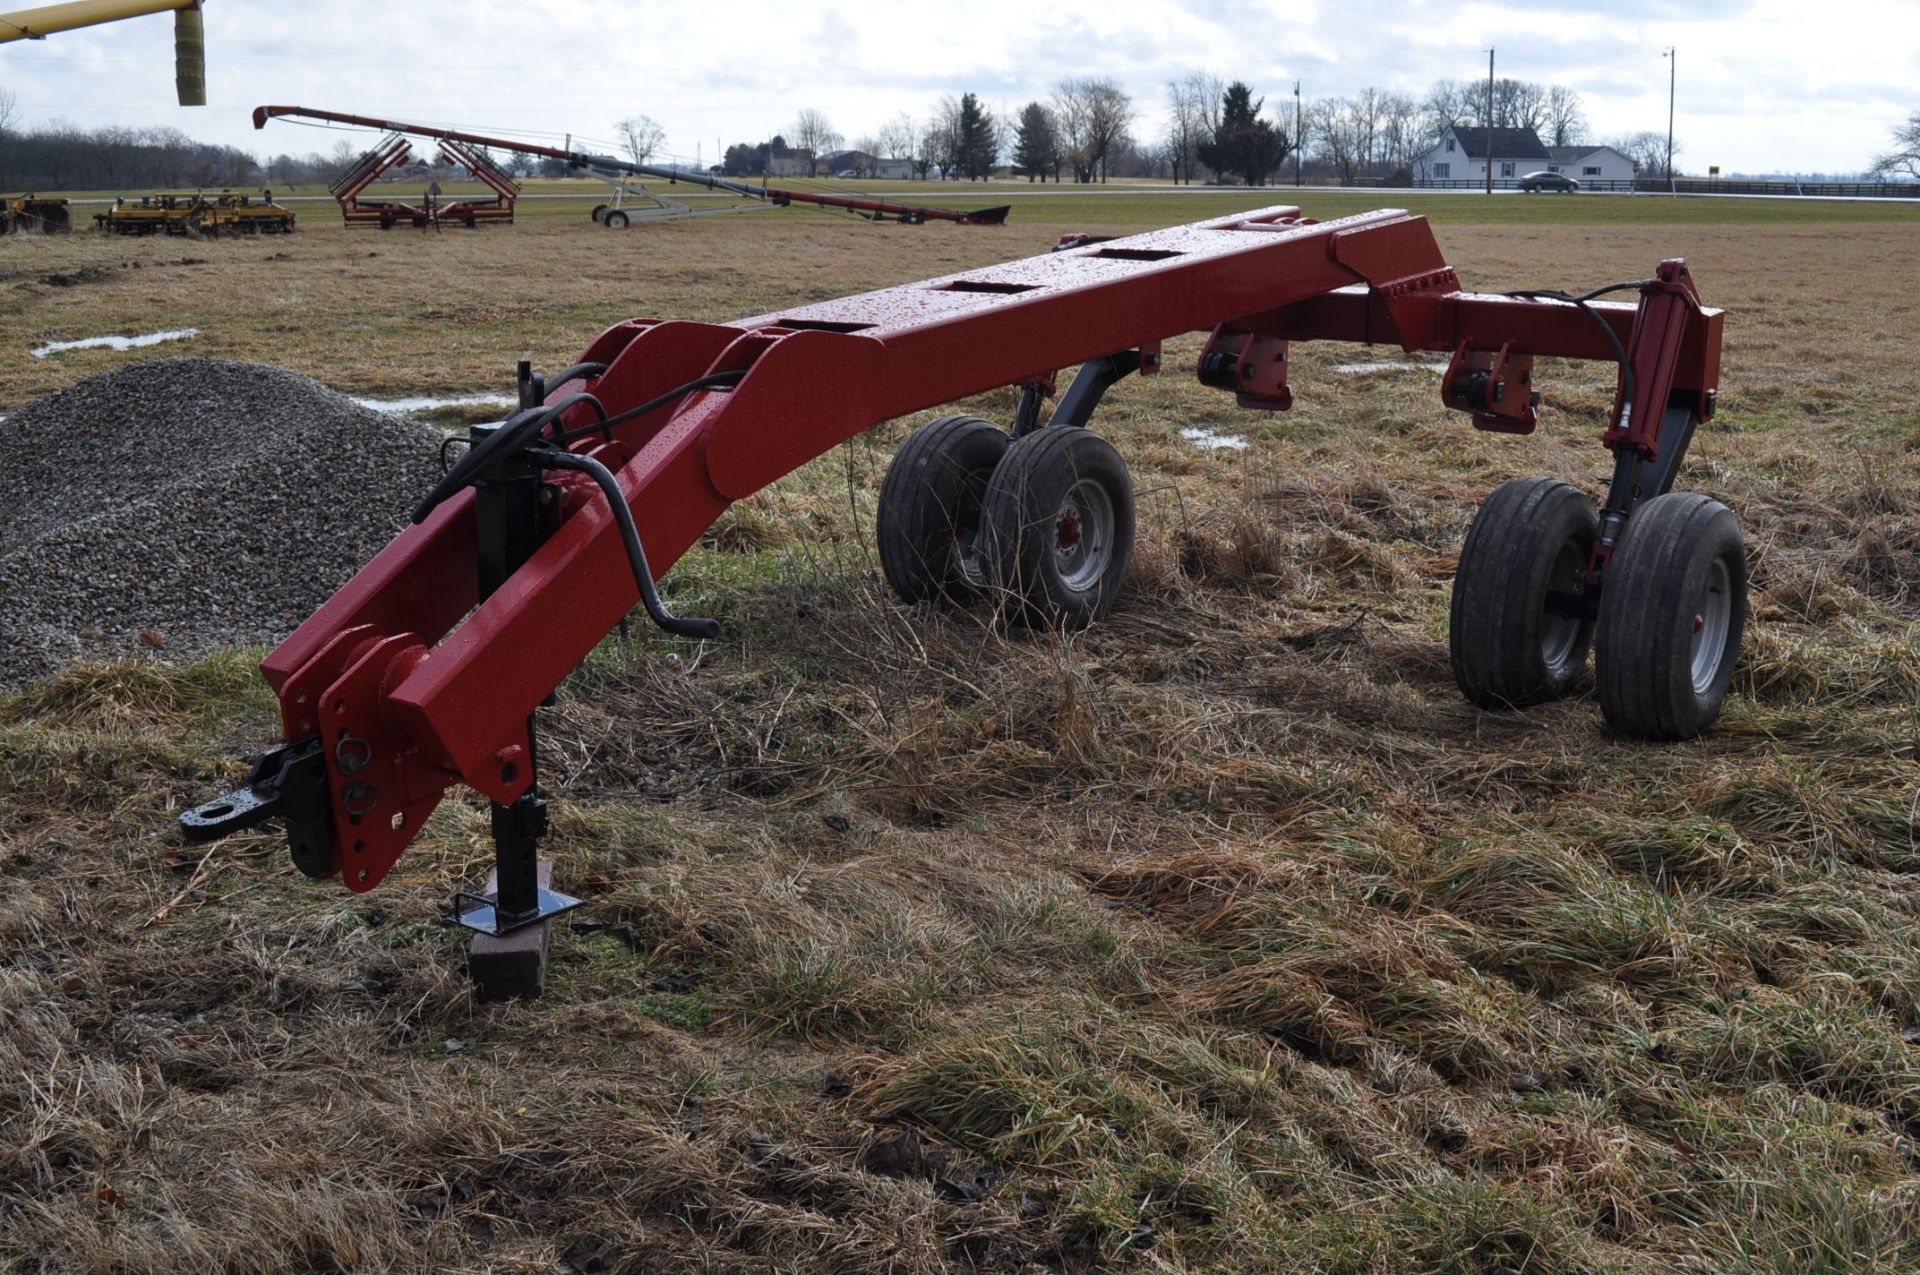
1461,156
1589,164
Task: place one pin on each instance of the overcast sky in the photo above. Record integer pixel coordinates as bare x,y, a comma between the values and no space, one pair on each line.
1763,85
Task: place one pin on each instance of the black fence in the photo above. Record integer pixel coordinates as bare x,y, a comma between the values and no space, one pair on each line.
1693,186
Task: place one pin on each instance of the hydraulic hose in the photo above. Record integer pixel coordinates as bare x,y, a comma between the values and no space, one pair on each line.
554,458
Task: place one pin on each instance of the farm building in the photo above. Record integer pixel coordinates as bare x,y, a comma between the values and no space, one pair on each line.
1591,163
1461,155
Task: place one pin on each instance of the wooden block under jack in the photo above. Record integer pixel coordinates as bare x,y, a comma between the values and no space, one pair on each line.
514,967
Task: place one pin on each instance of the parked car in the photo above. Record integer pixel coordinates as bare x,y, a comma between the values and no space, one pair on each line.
1549,181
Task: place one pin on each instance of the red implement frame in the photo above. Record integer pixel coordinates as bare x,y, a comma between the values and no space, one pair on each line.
408,698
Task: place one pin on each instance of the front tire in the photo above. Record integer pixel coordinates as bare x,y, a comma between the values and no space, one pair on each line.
1513,632
1671,617
614,219
1058,525
928,524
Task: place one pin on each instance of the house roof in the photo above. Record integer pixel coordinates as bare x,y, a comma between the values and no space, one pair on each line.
1508,143
1567,154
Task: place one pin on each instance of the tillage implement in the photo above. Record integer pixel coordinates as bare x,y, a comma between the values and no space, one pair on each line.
426,671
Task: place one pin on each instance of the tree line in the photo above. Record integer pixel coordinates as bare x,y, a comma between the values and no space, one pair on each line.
1089,129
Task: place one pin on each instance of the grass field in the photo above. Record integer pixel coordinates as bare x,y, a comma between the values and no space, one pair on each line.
1224,937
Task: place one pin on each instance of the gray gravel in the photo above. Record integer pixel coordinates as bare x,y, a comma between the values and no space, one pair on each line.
172,508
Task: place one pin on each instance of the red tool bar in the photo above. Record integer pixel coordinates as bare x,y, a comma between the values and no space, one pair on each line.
381,671
1440,321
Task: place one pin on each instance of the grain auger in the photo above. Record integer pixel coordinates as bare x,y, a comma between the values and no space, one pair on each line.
426,670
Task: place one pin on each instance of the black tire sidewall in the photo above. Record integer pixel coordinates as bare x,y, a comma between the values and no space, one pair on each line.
1654,582
1497,610
1022,504
944,467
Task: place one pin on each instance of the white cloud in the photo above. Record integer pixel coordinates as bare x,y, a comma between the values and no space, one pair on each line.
1762,84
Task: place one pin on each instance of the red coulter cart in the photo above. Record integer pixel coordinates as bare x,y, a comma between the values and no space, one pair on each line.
392,152
426,670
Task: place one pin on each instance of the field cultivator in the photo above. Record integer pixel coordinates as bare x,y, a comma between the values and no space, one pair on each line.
428,668
30,215
194,212
394,151
617,173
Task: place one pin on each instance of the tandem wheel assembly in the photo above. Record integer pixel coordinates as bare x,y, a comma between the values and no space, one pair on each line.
1043,523
1664,629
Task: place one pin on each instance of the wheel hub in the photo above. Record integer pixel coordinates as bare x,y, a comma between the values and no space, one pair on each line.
1083,534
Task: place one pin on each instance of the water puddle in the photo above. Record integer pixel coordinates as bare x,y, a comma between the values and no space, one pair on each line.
1210,440
1368,369
114,342
430,404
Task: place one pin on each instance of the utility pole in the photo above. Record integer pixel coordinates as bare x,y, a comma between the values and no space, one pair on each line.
1299,142
1673,74
1489,121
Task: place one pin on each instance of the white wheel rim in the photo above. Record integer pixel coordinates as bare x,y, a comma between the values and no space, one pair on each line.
1712,618
1083,535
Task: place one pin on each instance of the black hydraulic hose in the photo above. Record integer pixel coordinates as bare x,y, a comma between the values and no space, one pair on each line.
1628,384
554,458
509,437
575,372
717,380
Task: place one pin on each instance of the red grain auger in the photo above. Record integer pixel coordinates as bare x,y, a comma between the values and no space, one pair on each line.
426,670
615,172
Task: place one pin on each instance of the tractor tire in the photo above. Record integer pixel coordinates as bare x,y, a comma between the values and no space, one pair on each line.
928,524
1671,617
599,211
615,219
1057,527
1532,538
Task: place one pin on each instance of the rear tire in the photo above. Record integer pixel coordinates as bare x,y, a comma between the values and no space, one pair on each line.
599,211
928,525
1532,538
1058,527
1671,617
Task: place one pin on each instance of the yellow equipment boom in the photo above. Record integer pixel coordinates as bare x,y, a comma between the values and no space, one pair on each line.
189,37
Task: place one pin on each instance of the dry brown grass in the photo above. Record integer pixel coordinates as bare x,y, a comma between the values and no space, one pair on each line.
1223,937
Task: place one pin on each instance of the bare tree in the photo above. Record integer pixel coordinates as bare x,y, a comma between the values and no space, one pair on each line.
1336,131
1093,116
814,133
1647,150
1904,158
896,137
641,135
1401,136
1566,122
1193,107
9,109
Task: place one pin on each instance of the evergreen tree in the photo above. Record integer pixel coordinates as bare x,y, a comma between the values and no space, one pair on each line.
1244,144
1036,143
979,147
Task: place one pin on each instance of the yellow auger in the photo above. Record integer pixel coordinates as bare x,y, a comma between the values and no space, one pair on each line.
189,36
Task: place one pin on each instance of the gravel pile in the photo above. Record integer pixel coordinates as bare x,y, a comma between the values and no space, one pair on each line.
168,509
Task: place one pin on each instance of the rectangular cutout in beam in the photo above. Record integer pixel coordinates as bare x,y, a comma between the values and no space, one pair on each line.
1136,254
820,325
986,285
